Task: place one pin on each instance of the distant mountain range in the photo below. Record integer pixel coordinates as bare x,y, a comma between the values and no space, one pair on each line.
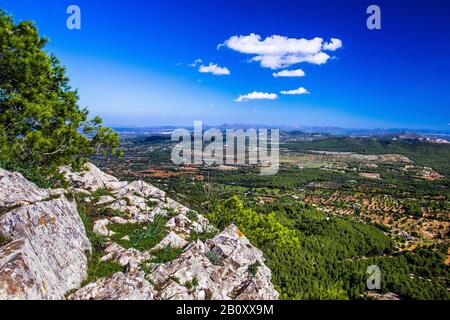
400,133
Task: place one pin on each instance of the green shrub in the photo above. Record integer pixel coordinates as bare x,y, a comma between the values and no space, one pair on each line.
191,283
95,195
166,254
254,267
4,240
151,203
96,269
214,258
142,236
192,215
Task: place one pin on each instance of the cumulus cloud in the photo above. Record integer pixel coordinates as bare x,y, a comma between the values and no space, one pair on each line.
257,96
289,73
333,45
214,69
300,90
277,52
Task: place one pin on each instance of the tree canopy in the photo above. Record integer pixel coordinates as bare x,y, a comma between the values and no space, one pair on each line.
41,124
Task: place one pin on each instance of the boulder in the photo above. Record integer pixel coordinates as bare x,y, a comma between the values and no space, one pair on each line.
140,188
15,190
91,178
173,240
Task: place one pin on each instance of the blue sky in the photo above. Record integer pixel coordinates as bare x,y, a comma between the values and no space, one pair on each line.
130,61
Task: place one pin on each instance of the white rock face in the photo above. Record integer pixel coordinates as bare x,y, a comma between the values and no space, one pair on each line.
129,258
16,190
47,257
100,228
173,240
92,178
142,189
229,279
117,287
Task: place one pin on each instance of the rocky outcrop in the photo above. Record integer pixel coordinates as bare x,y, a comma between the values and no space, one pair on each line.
92,178
15,190
222,266
46,256
117,287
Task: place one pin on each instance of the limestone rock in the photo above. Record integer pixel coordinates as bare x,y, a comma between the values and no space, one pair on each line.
230,279
47,256
119,286
16,190
173,240
92,178
101,229
129,258
141,189
20,272
179,224
104,199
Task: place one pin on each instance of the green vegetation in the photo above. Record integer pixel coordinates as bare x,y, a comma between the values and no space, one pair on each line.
166,254
265,230
318,222
96,268
175,279
192,215
142,236
4,210
254,267
99,193
313,256
412,208
42,127
191,283
423,153
214,258
4,240
151,203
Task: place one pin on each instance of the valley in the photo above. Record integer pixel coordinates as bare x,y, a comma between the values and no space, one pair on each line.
342,203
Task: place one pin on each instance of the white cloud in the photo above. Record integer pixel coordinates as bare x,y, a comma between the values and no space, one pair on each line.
277,52
257,96
195,63
300,90
333,45
289,73
214,69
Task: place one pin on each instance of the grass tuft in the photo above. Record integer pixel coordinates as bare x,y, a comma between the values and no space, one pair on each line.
166,254
214,258
142,236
